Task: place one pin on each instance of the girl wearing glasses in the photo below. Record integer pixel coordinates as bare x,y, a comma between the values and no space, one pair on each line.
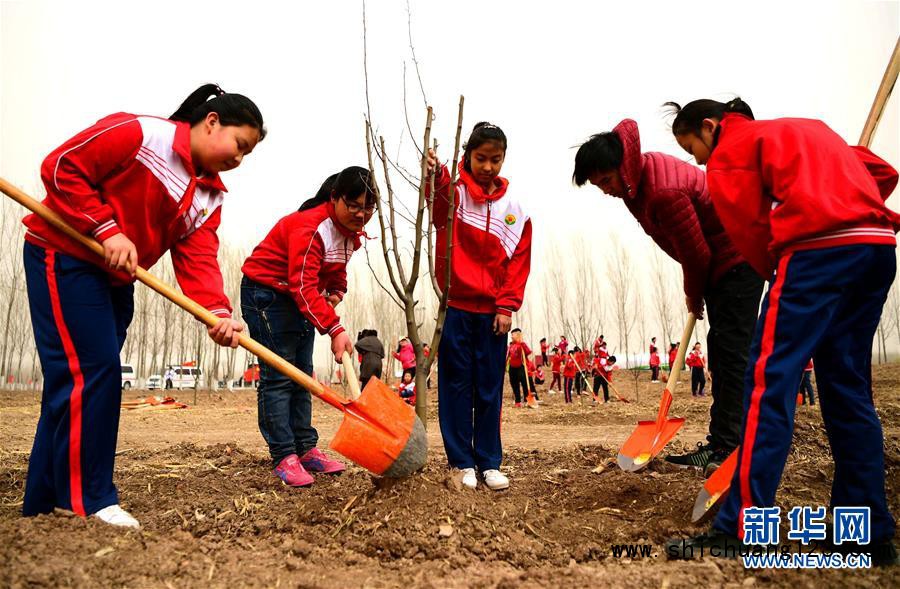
292,282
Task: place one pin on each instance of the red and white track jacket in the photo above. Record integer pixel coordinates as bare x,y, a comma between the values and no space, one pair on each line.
306,255
695,360
133,174
491,256
794,184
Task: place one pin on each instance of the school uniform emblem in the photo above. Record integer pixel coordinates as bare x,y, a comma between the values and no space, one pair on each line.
510,219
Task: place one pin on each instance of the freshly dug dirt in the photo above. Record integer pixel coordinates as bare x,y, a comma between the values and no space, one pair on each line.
200,481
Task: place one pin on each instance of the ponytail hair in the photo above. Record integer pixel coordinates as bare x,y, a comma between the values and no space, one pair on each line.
689,118
233,109
482,133
349,182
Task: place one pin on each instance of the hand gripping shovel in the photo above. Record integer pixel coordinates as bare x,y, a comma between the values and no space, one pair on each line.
379,432
650,437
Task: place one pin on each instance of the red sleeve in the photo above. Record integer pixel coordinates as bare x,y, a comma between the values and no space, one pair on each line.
884,174
196,263
687,240
528,351
512,292
73,173
338,283
441,204
305,253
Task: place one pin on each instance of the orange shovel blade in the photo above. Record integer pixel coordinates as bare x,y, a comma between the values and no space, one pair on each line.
645,442
649,437
381,433
715,489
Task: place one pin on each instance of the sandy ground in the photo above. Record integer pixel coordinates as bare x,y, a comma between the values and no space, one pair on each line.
199,480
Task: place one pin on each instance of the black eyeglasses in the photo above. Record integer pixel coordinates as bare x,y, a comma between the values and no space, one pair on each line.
354,208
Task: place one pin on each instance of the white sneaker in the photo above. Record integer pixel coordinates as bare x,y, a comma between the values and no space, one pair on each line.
116,516
552,392
469,478
496,480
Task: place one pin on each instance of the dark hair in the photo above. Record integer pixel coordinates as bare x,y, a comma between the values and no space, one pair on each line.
611,359
349,182
482,133
576,349
689,118
555,349
543,339
233,109
516,330
672,346
601,153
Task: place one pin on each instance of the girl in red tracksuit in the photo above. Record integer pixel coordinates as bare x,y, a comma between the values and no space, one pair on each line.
141,186
556,361
806,210
292,282
654,361
569,372
696,361
673,351
488,271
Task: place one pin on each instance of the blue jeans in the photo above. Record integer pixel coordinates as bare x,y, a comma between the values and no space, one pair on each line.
284,407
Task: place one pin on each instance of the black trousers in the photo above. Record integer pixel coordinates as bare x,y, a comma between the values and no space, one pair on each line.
698,381
519,382
600,382
732,307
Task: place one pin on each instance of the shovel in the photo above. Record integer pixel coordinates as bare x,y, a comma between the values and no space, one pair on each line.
715,489
379,432
650,437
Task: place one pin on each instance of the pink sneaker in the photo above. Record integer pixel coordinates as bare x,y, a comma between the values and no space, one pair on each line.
316,461
292,473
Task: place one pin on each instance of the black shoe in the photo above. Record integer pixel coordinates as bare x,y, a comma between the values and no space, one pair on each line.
712,543
698,458
715,461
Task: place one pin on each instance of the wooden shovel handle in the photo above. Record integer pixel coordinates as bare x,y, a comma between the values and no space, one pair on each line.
675,371
350,372
189,305
881,97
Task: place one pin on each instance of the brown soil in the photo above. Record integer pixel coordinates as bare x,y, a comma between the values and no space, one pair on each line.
213,514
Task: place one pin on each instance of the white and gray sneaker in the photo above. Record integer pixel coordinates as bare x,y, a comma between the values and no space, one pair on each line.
495,480
469,478
116,516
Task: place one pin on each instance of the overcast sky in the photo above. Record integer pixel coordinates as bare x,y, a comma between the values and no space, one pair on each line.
549,74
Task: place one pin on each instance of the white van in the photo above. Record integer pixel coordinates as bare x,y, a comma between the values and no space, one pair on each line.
186,377
154,381
129,379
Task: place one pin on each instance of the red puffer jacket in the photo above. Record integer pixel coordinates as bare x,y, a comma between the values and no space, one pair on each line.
670,200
